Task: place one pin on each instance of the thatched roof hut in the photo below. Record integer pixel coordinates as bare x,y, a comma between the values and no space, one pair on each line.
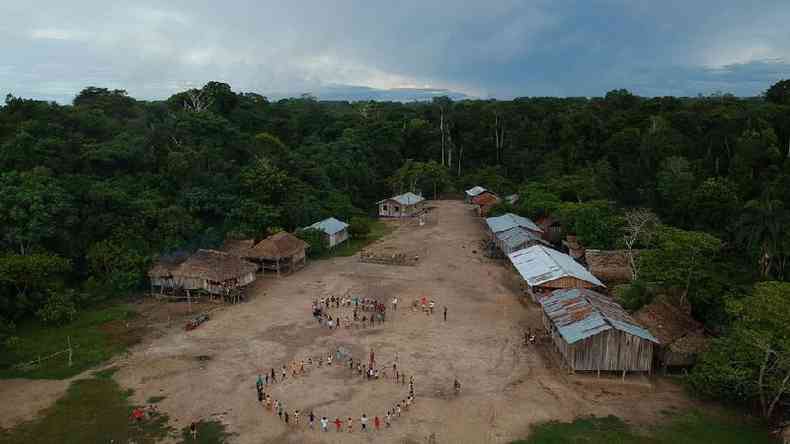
237,247
279,252
214,271
682,337
611,266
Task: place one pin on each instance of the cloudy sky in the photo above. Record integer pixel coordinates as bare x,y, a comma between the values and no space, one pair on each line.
51,49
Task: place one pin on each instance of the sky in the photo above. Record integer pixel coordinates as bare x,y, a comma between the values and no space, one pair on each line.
394,50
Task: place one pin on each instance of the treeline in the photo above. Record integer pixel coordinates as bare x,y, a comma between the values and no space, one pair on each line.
91,192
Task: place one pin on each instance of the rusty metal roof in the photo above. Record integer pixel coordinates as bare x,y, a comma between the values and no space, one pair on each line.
580,313
539,264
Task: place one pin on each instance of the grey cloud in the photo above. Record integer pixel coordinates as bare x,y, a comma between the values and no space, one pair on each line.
370,49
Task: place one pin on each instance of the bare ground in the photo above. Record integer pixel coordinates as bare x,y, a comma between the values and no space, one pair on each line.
210,373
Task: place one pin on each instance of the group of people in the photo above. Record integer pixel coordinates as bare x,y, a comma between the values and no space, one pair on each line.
369,371
365,312
427,306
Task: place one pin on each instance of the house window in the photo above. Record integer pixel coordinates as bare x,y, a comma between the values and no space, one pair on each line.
384,207
397,209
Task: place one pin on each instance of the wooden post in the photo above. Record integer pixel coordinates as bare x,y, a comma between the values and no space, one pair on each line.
624,370
68,339
189,301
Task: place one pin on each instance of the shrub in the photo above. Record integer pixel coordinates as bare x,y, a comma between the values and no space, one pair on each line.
359,227
59,308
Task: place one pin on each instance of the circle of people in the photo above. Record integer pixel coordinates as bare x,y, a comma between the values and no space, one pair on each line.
366,311
369,371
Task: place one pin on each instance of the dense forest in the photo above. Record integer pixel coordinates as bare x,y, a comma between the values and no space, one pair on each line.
91,193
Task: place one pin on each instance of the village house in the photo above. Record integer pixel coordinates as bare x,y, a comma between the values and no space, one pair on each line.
544,270
484,202
593,333
212,271
611,266
282,253
511,232
334,231
472,192
682,337
552,229
403,205
237,247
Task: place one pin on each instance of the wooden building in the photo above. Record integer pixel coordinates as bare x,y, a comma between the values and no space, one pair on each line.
611,266
552,229
593,333
682,337
511,232
237,247
282,253
484,202
403,205
544,270
212,271
472,193
575,249
334,231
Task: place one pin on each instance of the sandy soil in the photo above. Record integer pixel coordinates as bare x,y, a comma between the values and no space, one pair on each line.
210,372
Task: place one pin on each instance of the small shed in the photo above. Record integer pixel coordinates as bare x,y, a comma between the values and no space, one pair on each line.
402,205
682,337
282,253
514,239
213,271
334,231
472,192
484,202
593,333
611,266
545,269
508,221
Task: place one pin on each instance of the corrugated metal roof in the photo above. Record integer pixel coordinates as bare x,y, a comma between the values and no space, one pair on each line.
405,199
539,264
517,236
580,313
485,198
329,226
474,191
510,220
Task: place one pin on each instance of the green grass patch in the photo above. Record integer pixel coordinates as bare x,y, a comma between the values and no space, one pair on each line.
378,229
96,335
93,410
686,428
208,432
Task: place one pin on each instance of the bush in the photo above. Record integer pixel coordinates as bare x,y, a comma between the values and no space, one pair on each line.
315,238
59,308
359,227
7,328
633,296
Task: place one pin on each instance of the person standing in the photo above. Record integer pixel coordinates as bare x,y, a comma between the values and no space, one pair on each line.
387,419
296,417
324,424
338,424
364,421
259,383
193,430
376,423
395,304
286,418
445,313
274,379
349,422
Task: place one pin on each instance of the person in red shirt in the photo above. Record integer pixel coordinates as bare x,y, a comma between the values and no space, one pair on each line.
376,423
338,424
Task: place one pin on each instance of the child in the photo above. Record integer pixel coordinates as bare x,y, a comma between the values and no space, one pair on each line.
376,423
324,424
338,424
364,421
349,421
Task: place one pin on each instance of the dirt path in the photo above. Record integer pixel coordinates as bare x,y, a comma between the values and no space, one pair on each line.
210,372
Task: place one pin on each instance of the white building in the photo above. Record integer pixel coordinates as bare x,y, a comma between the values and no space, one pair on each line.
335,231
